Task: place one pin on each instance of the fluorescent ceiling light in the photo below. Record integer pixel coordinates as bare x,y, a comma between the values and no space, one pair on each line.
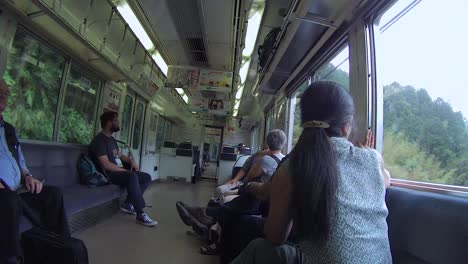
185,97
193,112
127,13
239,92
252,31
244,70
236,106
180,91
129,16
160,62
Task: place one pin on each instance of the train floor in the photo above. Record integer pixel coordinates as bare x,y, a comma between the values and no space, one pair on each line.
119,240
209,171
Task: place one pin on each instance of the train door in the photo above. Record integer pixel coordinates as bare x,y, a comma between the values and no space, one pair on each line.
137,129
150,160
126,119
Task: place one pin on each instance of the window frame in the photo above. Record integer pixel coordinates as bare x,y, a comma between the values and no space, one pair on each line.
291,94
65,72
161,120
130,121
63,93
23,26
376,109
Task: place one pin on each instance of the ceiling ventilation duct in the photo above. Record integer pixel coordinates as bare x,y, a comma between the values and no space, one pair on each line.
186,17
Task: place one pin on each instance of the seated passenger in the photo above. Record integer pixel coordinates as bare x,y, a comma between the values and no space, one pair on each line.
230,188
105,151
331,193
202,218
46,201
240,147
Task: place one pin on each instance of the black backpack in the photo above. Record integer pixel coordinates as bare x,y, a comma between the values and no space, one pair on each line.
267,48
88,173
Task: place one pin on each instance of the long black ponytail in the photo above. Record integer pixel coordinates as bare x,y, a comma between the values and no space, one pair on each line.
325,109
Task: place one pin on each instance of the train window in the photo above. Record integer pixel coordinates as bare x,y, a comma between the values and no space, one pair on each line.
167,130
137,128
151,135
79,109
281,116
34,74
270,120
126,119
160,133
336,69
421,67
295,106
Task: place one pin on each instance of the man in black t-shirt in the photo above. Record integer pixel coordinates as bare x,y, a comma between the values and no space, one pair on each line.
105,151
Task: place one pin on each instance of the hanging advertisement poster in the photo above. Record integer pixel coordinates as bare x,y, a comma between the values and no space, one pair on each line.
206,119
232,125
182,77
219,107
198,104
215,81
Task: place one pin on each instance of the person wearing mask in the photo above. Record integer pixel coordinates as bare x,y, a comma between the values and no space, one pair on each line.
106,153
46,201
328,192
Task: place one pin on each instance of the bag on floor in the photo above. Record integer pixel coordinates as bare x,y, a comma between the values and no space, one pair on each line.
88,173
45,247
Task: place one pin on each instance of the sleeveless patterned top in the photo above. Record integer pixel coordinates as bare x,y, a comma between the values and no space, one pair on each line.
359,233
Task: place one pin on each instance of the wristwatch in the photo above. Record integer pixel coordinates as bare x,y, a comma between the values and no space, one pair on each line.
28,174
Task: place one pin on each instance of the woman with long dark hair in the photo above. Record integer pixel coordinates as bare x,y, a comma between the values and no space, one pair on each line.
329,192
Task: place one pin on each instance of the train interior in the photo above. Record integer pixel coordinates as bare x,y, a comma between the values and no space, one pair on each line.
192,79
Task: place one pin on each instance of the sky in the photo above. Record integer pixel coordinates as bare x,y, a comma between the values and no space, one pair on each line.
427,48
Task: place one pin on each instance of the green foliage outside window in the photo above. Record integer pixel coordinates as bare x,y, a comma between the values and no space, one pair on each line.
126,118
424,139
329,72
78,113
34,74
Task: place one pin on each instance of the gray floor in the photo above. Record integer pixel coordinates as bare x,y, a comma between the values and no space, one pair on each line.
210,170
120,240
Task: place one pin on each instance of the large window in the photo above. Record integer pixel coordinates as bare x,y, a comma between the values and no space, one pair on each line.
336,69
79,109
34,74
421,58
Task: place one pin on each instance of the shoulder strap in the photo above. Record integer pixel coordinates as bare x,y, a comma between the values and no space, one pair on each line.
12,140
275,158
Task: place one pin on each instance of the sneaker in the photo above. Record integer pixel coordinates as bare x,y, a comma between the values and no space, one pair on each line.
145,220
211,250
192,214
183,213
127,208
